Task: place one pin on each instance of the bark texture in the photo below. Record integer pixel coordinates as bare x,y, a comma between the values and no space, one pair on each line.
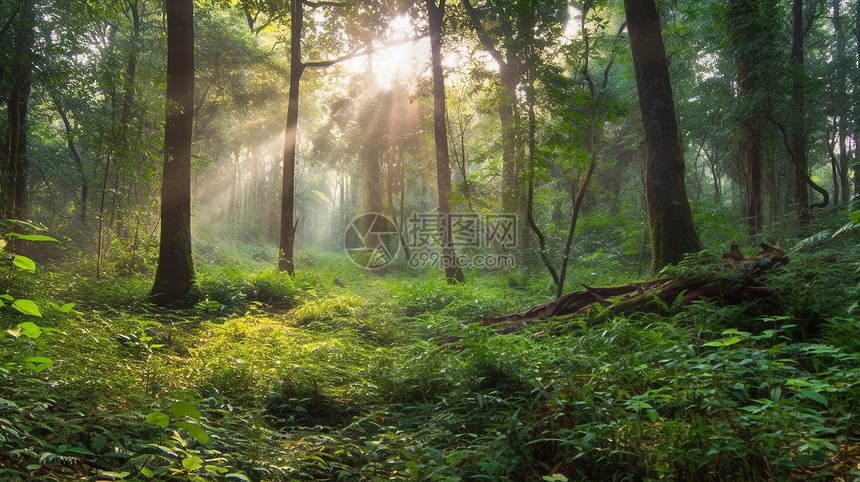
670,218
288,188
443,161
174,277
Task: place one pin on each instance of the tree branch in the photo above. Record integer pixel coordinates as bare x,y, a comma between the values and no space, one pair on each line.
824,202
330,62
488,44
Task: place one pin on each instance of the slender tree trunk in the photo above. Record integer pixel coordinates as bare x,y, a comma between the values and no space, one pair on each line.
13,158
857,114
443,163
510,139
798,130
510,76
714,169
670,218
288,188
750,151
532,149
174,277
70,143
590,140
743,21
843,195
834,163
577,204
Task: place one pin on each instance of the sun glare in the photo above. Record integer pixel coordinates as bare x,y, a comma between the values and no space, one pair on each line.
399,59
391,65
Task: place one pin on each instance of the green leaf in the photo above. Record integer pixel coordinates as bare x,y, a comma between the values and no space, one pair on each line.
62,309
192,462
158,418
79,450
855,216
185,408
216,470
31,237
146,472
28,329
38,363
115,475
24,262
195,431
815,396
775,394
99,442
724,341
27,307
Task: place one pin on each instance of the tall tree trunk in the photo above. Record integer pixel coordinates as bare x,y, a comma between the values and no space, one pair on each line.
13,158
288,188
857,115
174,277
840,112
798,130
510,75
744,19
750,151
507,111
443,163
670,218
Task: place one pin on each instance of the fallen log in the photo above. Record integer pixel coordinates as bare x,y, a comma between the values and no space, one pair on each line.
734,281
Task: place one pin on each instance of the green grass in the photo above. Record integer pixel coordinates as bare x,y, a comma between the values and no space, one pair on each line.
341,374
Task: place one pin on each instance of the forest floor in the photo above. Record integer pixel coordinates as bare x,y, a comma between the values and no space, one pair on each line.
340,374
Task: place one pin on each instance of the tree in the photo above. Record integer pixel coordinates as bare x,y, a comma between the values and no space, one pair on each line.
511,31
510,76
435,15
798,101
669,215
288,188
13,156
752,40
840,109
174,277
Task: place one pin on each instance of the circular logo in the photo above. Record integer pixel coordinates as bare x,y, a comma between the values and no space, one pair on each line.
371,240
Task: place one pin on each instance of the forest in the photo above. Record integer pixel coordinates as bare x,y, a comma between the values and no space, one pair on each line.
438,240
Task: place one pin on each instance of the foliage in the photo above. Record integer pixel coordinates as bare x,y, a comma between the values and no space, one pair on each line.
340,374
394,377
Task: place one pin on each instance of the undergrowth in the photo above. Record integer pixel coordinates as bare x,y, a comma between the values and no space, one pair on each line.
341,374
